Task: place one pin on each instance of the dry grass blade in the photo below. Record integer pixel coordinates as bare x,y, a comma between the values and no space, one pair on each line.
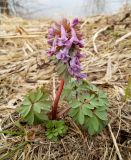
96,35
115,143
122,38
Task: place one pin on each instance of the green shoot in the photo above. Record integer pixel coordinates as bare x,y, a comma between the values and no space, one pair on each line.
128,91
55,129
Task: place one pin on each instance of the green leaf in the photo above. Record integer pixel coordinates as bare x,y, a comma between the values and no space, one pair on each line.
61,68
94,88
47,105
91,130
88,106
84,97
93,121
66,94
39,94
44,97
87,111
83,87
81,117
102,102
102,94
26,101
56,129
94,103
29,118
75,104
50,136
32,96
41,116
102,124
102,115
37,107
102,108
73,112
24,110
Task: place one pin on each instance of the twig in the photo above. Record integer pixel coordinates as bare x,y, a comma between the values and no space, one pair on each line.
122,38
96,35
115,143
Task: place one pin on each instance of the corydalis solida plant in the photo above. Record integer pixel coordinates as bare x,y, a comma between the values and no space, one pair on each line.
66,42
87,104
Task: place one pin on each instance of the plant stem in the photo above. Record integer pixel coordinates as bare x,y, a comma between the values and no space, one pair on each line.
57,98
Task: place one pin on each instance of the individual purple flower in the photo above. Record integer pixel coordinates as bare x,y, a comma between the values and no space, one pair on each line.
75,39
63,34
80,55
74,66
74,22
63,55
51,33
63,40
81,76
53,48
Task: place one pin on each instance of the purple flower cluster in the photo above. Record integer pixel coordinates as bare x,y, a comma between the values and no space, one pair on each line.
66,41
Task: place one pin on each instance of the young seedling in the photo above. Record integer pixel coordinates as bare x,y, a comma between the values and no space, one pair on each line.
55,129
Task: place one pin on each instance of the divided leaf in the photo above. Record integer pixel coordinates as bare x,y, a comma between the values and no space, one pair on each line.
102,115
87,111
88,105
26,101
39,94
35,106
29,118
24,110
73,112
93,121
81,117
75,104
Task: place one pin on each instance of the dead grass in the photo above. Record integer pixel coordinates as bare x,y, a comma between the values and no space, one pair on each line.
24,65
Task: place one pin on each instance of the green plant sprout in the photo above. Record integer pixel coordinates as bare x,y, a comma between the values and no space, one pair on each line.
128,90
55,129
87,104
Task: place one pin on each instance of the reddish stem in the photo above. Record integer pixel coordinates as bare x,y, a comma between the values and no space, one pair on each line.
57,98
